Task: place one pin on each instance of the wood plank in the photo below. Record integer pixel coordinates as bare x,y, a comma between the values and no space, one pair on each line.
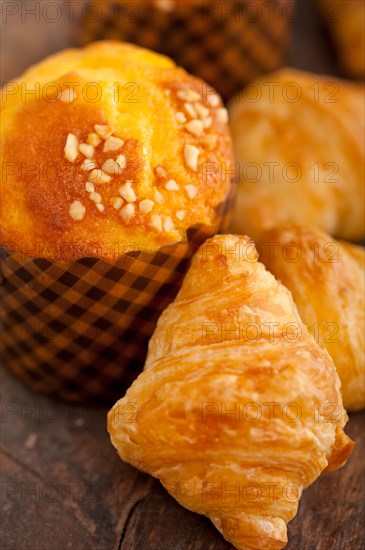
65,487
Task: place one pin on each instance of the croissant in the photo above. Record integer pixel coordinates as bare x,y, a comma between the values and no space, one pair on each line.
231,415
326,278
299,145
346,23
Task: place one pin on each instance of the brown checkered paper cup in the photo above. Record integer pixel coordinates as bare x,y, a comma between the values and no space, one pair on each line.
80,330
225,42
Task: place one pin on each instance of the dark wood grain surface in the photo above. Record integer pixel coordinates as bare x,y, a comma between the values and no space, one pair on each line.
63,485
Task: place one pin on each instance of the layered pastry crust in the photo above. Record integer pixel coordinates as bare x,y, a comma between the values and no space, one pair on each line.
231,411
326,278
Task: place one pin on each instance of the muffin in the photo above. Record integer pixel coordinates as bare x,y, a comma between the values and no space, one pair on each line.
225,43
116,168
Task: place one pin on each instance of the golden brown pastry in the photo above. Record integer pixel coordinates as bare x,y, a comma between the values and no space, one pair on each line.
326,278
346,23
109,150
230,412
299,143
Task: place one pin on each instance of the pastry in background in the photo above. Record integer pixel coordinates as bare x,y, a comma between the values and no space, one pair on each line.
326,278
226,43
299,145
232,401
345,20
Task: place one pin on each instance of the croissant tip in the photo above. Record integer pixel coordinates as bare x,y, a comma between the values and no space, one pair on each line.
341,452
253,533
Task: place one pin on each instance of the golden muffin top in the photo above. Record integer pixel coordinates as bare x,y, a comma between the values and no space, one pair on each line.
109,148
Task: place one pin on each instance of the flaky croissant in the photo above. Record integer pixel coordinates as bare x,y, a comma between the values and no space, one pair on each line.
326,278
299,145
238,408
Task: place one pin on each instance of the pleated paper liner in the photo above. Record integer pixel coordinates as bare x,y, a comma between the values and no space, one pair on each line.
226,43
80,330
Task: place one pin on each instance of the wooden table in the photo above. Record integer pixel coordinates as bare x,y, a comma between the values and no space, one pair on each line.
63,485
